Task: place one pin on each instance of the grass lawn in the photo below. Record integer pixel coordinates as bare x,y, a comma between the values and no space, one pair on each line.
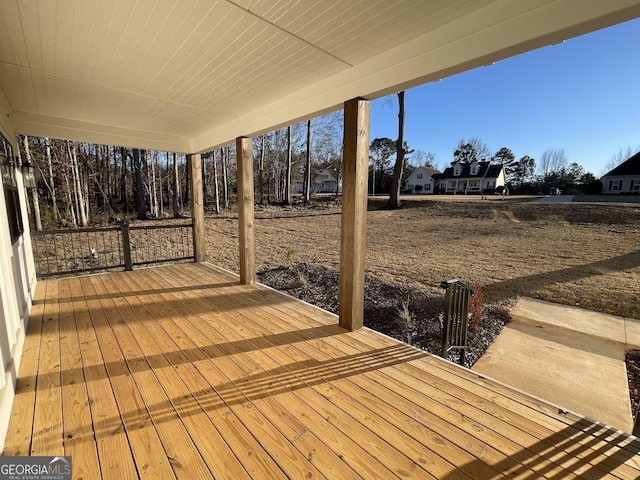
585,254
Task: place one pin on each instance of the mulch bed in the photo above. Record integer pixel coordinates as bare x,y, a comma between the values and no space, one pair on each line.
632,359
382,304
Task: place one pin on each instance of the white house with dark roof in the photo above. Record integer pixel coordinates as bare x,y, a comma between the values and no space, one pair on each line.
474,177
421,180
326,182
625,178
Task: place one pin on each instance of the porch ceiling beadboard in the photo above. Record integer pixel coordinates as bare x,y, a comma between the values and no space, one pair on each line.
192,75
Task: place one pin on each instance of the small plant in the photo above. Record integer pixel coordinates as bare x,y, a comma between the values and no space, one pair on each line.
476,307
404,319
289,255
300,281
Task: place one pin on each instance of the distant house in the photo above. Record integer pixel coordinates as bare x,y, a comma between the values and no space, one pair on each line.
326,182
625,178
421,180
474,177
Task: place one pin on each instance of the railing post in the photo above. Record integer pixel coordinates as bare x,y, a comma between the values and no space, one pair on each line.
126,247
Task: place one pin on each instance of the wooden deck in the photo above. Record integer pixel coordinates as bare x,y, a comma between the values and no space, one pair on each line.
179,372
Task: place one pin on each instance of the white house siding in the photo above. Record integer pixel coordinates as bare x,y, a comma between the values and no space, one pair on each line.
493,183
621,184
17,285
420,176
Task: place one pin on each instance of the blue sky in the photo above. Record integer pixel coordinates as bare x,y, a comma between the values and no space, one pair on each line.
582,95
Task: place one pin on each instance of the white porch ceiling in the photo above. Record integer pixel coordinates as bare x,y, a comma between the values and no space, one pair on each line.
188,75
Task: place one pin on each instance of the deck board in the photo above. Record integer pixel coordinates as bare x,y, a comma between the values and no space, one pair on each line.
20,430
115,456
47,419
78,436
180,372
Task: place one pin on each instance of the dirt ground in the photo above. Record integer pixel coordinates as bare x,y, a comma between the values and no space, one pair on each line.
585,254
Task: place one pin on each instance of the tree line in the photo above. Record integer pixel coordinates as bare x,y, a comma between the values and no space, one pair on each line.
522,175
80,183
526,175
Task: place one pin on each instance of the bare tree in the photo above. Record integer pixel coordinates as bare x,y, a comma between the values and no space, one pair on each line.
216,190
619,157
154,196
51,184
551,161
141,205
124,155
396,180
421,158
261,170
469,150
176,187
287,178
307,170
225,179
34,191
72,211
78,188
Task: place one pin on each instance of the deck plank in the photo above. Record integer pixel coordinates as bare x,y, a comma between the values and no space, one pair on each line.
149,455
115,456
243,387
281,418
149,405
47,421
78,435
154,345
20,430
201,350
187,374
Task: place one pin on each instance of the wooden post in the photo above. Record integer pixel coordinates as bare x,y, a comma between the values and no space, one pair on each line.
197,208
355,172
126,247
244,159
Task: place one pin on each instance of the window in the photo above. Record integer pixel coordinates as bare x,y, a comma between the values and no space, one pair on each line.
615,185
10,189
419,175
427,187
635,185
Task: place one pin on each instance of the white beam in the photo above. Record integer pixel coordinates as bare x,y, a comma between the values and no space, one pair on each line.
43,126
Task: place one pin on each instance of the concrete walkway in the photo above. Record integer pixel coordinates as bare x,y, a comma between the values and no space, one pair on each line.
569,356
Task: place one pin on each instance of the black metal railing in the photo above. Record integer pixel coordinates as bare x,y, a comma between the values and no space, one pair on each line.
456,318
81,250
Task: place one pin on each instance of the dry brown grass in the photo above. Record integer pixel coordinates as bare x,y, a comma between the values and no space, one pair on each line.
573,253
